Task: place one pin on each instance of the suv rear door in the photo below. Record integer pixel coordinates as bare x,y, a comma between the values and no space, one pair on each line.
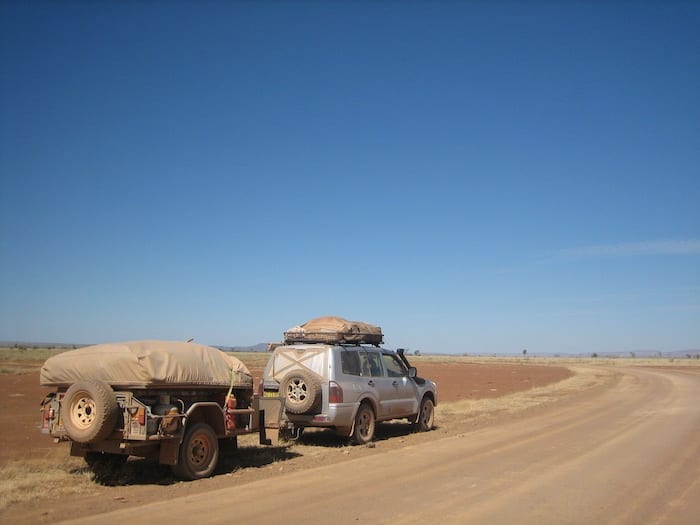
394,390
377,384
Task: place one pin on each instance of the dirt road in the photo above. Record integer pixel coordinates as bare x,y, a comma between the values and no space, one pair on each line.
626,454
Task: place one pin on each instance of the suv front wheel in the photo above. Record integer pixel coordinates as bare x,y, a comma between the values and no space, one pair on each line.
426,415
363,432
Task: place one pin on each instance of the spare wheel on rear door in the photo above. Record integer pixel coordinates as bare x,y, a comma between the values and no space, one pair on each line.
89,411
301,390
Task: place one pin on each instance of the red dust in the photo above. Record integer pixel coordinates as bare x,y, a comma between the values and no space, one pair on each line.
21,395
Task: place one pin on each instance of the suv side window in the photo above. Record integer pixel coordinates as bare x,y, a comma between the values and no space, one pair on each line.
375,364
370,365
350,362
393,366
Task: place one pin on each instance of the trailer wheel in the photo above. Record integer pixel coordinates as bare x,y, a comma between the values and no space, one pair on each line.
301,390
90,411
199,453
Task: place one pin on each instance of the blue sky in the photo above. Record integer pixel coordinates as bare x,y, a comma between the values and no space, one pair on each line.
472,176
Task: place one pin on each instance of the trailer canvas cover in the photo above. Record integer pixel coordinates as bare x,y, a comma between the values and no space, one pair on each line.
146,364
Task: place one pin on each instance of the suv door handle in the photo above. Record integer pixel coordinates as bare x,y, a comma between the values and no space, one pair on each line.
370,382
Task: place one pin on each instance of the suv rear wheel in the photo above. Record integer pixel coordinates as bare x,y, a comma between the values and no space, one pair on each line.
363,432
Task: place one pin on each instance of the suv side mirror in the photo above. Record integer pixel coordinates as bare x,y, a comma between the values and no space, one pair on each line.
412,371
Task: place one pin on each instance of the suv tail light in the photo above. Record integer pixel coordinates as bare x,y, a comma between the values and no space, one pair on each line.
335,393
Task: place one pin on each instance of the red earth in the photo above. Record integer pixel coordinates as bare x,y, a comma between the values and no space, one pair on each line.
21,438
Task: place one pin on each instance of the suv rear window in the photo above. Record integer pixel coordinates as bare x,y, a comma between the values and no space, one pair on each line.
360,363
350,362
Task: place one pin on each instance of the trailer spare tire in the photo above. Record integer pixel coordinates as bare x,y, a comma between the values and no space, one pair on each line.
89,411
301,390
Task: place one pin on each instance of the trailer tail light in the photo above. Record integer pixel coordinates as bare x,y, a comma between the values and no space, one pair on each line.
48,416
335,393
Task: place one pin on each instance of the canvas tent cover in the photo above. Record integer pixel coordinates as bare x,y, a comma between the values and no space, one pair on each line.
334,330
145,364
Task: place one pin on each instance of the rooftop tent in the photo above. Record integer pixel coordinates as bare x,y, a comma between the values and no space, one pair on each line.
334,330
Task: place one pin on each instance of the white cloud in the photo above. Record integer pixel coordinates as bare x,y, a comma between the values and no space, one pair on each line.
629,249
668,247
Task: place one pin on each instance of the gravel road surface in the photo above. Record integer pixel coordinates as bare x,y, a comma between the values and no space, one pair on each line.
629,453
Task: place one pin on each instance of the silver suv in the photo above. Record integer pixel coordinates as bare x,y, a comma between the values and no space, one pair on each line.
346,387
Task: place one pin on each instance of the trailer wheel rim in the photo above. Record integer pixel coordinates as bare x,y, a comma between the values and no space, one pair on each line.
83,412
200,451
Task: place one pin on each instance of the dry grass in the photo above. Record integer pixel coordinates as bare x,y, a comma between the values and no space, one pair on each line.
253,359
26,481
19,368
14,361
556,361
35,355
